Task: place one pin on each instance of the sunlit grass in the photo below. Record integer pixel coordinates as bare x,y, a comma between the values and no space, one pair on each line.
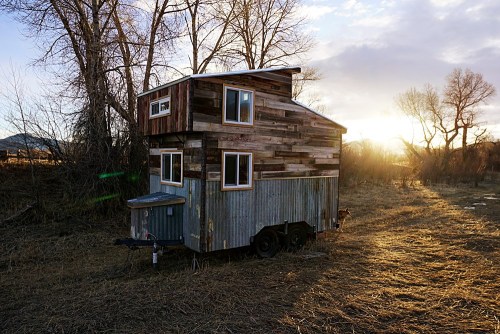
410,260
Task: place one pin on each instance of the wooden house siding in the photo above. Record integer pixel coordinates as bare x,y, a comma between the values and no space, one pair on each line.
295,157
176,121
191,146
287,140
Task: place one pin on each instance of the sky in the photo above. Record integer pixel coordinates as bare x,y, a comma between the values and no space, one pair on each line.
367,52
371,51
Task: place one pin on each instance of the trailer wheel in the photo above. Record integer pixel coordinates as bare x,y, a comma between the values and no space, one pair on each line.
296,237
266,243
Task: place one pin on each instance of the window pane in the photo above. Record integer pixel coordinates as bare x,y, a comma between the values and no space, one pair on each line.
155,108
230,169
231,105
244,169
165,106
245,106
166,167
176,167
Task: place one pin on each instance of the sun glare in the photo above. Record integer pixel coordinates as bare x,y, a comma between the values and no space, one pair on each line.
384,131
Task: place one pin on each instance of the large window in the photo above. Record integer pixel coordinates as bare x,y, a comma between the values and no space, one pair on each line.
171,167
159,107
236,170
238,106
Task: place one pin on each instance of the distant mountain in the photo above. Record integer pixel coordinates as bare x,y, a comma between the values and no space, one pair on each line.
19,141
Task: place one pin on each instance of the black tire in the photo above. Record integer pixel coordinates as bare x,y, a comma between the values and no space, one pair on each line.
296,237
266,243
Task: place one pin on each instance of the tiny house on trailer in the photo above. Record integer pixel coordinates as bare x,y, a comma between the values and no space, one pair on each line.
235,161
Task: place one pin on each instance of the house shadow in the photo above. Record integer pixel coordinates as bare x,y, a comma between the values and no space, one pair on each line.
477,211
234,291
401,256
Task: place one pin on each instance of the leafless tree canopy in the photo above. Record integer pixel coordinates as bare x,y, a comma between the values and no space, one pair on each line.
301,80
465,91
423,107
103,52
444,120
269,33
208,28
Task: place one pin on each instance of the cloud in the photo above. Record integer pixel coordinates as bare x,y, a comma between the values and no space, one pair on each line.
446,3
355,7
378,51
314,12
377,22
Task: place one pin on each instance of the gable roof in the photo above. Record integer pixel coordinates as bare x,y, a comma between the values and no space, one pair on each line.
292,70
320,115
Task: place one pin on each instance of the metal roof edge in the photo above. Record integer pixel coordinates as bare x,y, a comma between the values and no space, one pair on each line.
319,114
295,69
168,84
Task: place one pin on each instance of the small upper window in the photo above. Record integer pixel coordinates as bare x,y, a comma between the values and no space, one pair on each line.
238,106
237,170
171,167
160,107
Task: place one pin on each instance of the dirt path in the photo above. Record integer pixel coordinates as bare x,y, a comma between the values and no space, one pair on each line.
408,261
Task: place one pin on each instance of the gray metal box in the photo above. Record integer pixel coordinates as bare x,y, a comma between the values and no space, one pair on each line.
159,214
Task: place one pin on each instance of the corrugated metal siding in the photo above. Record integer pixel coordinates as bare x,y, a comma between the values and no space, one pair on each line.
164,222
235,216
230,217
139,224
191,190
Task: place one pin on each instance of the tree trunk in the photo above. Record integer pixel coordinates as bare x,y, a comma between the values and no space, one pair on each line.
464,143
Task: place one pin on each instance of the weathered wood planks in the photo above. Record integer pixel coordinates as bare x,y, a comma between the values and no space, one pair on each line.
286,139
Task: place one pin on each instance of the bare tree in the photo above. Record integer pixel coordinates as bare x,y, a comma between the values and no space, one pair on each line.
456,112
101,49
207,24
14,96
302,84
301,80
443,119
103,53
419,106
139,57
269,33
161,32
74,34
463,93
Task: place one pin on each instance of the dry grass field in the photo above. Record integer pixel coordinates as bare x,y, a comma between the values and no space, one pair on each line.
409,260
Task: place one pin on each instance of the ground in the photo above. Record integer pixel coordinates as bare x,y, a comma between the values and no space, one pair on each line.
410,260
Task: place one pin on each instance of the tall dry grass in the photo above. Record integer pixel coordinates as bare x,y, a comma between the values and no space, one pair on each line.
410,260
367,161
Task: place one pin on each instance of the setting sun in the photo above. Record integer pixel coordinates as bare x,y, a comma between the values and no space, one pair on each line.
386,131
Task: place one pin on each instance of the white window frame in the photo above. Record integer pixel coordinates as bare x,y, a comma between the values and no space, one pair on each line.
170,182
250,171
252,106
161,112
